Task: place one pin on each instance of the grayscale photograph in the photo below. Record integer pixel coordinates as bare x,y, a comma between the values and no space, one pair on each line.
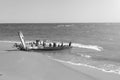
59,39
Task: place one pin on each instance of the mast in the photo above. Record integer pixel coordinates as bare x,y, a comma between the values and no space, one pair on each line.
22,39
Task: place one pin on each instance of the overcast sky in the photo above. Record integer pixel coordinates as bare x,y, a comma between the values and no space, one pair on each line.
59,11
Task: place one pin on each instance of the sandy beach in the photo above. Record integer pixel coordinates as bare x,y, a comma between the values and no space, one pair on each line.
21,65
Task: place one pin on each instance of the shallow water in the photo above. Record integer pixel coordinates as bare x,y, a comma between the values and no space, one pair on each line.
95,44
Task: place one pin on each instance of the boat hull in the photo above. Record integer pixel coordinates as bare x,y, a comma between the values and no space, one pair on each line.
43,48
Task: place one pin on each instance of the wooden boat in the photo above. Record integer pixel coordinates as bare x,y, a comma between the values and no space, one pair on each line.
41,44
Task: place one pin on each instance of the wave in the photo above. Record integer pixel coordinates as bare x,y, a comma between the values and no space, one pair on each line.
13,41
93,47
10,41
64,25
116,71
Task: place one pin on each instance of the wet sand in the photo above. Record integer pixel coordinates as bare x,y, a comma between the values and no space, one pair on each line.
21,65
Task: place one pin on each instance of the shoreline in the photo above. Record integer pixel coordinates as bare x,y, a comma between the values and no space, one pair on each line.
23,65
35,66
88,66
98,74
76,64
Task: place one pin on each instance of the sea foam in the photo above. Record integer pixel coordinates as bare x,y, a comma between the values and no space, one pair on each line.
10,41
13,41
93,47
116,71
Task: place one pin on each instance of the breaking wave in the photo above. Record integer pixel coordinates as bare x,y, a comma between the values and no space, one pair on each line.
116,71
65,25
10,41
13,41
93,47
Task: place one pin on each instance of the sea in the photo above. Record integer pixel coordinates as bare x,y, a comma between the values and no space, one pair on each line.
95,45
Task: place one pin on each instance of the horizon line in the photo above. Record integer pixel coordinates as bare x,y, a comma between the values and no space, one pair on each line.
52,22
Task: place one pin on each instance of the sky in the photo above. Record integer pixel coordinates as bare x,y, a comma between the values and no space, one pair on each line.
59,11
